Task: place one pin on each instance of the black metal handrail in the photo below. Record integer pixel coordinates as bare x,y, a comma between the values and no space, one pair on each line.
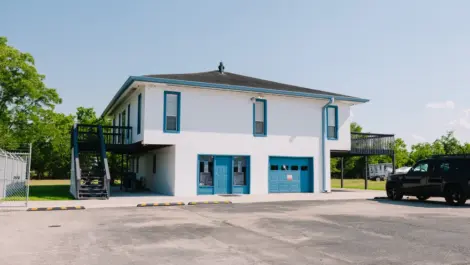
111,134
117,134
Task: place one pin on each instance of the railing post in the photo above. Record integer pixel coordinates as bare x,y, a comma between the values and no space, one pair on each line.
367,171
342,173
107,177
28,172
76,161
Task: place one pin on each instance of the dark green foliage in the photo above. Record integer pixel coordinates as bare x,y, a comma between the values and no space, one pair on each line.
354,166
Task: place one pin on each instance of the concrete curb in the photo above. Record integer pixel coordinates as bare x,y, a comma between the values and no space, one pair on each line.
210,202
160,204
56,208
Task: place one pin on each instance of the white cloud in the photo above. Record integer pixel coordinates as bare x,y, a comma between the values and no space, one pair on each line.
418,138
453,122
467,112
464,123
441,105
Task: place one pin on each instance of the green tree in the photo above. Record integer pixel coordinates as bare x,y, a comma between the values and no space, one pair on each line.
402,157
87,116
22,90
421,151
355,127
352,165
450,144
466,148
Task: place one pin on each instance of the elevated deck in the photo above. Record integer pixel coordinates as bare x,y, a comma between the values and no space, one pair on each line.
367,144
117,139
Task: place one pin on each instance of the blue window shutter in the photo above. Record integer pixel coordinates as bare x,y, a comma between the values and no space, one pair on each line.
139,113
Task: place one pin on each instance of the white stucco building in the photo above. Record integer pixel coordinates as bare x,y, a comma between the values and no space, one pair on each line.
220,133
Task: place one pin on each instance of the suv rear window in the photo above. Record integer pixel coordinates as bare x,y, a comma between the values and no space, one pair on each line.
444,167
454,166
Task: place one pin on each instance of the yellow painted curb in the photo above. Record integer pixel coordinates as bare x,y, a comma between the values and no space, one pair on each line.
160,204
210,202
62,208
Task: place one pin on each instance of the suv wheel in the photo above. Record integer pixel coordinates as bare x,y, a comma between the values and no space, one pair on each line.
394,193
455,196
422,198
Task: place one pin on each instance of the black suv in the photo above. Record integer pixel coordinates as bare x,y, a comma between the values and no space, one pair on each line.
438,176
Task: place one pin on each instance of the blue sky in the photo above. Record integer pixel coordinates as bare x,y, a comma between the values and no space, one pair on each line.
410,58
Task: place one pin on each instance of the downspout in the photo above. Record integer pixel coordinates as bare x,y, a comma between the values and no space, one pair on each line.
323,142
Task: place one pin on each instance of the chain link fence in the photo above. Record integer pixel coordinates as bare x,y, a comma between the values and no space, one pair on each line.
15,169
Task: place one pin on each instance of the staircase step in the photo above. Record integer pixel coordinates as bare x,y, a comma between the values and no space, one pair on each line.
92,185
91,177
92,189
93,193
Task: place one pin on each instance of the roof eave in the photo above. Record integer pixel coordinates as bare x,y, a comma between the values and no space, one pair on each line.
131,79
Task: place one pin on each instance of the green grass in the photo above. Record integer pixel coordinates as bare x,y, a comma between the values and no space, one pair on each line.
49,190
46,190
358,184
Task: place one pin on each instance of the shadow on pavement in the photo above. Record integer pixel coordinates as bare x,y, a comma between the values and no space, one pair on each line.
342,190
417,203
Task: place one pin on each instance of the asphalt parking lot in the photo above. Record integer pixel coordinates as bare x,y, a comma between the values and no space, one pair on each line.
336,232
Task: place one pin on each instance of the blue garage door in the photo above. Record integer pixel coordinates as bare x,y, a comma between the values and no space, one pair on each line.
290,175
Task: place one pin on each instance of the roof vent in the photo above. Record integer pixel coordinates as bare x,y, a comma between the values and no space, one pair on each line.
221,67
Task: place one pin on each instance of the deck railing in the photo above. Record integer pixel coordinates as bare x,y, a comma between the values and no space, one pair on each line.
117,134
372,144
87,133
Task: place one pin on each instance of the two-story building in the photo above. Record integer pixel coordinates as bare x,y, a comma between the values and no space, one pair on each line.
219,133
222,133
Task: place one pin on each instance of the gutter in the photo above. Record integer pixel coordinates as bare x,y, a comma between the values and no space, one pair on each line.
323,142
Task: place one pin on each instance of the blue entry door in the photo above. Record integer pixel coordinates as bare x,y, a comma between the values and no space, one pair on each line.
222,175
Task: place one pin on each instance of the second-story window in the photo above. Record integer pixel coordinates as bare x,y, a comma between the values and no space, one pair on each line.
332,119
259,116
171,118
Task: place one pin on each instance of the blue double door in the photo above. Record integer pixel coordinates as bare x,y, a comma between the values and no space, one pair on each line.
222,175
290,175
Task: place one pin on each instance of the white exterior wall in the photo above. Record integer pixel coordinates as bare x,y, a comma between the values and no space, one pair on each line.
163,180
131,98
221,122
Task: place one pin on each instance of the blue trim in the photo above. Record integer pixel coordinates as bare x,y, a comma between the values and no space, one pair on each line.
139,113
178,117
236,189
132,79
265,118
336,122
